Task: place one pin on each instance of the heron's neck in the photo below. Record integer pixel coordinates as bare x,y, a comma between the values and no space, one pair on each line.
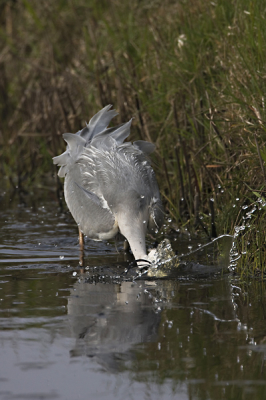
134,230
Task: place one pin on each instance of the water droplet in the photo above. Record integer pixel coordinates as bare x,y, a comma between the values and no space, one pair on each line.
61,257
144,222
142,197
74,273
211,199
237,199
169,220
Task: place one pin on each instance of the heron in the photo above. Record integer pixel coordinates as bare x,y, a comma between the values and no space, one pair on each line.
109,184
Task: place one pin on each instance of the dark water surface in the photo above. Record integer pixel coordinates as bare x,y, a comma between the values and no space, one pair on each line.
99,334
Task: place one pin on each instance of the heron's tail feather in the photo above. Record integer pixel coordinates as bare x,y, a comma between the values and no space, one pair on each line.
97,134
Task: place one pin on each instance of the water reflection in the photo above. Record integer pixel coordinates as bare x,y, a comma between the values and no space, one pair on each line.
105,335
107,320
189,332
198,337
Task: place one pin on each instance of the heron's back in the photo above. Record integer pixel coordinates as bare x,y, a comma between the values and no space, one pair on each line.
106,178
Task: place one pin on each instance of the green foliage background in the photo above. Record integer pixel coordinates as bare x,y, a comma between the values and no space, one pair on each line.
191,73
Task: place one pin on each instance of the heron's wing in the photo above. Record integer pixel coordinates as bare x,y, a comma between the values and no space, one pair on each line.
89,211
77,142
122,132
75,145
145,147
91,196
97,124
101,120
96,134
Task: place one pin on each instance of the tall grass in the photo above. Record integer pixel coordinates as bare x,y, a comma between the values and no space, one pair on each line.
192,73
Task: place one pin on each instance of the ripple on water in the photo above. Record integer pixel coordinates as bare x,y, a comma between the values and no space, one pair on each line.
102,334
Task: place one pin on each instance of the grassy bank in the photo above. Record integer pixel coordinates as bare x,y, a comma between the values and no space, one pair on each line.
192,73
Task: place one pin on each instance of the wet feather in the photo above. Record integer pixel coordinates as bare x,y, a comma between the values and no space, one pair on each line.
110,184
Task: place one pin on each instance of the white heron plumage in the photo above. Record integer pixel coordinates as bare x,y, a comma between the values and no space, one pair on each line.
110,186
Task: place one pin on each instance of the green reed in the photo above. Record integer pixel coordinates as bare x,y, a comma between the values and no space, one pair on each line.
192,74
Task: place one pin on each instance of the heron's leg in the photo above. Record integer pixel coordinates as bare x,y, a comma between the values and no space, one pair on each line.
81,240
126,245
81,248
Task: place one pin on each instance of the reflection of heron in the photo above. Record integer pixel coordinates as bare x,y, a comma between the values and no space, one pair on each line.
107,320
110,186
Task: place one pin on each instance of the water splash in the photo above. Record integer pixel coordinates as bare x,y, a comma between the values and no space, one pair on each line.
252,209
163,260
